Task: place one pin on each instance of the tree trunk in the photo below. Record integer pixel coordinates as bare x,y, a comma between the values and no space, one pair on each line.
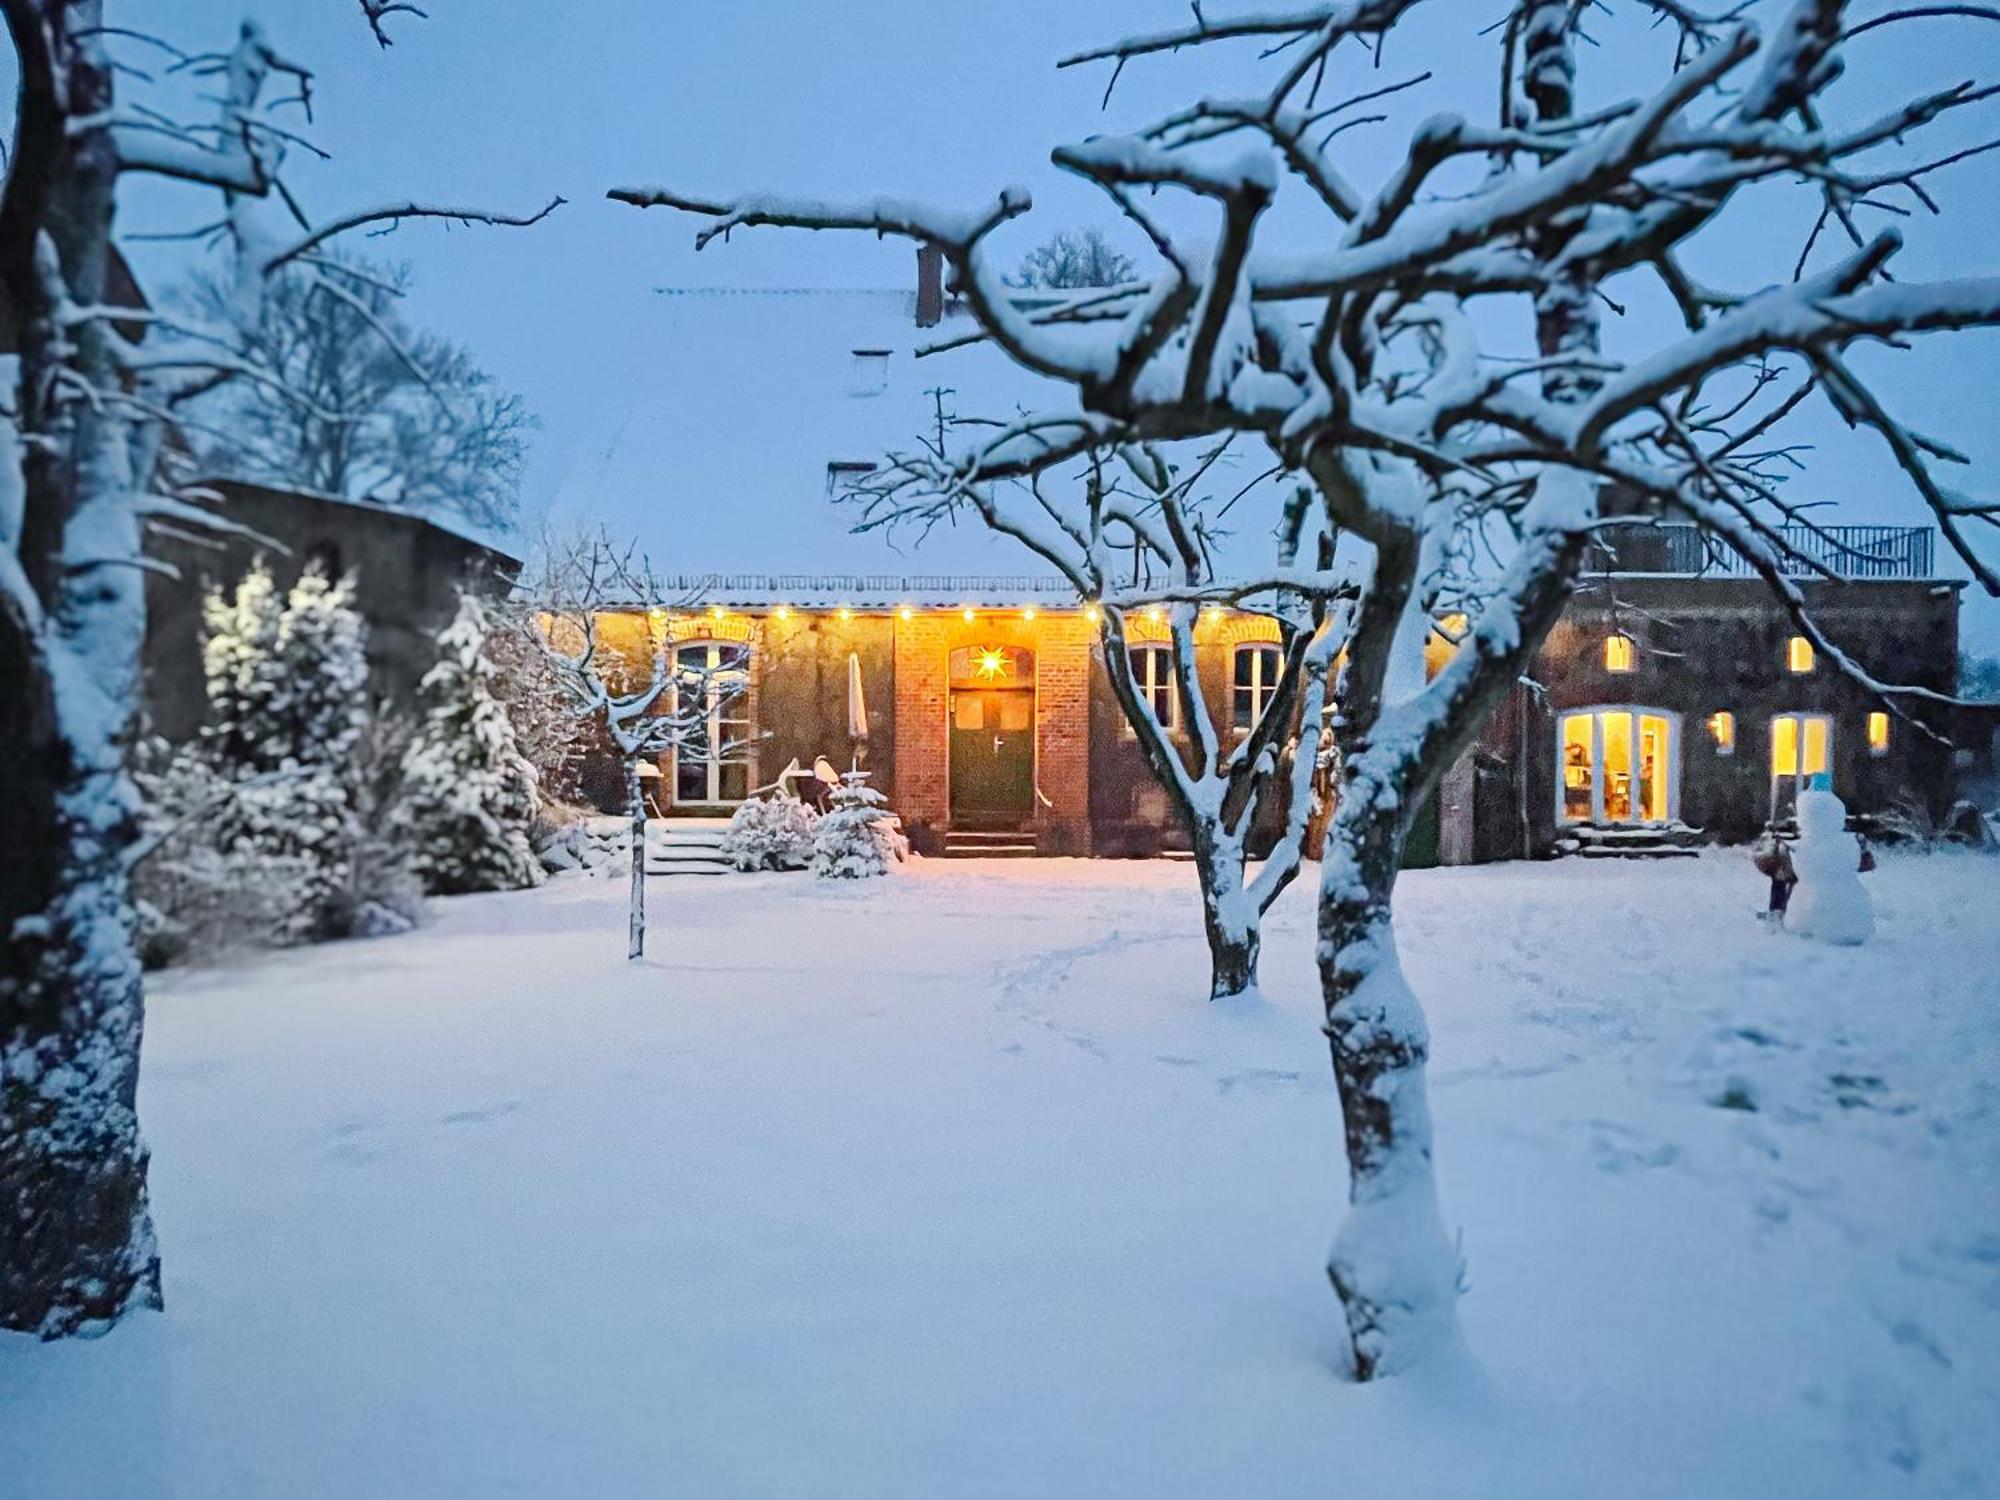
1392,1264
77,1247
635,809
1229,917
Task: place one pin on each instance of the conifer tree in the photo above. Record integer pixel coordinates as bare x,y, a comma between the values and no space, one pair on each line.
468,794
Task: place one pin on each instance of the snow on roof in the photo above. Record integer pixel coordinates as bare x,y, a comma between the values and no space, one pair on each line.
870,592
730,406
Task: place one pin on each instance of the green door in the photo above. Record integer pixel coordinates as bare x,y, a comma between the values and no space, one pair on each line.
992,755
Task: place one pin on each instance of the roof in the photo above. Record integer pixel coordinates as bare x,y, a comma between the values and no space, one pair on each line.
865,591
501,549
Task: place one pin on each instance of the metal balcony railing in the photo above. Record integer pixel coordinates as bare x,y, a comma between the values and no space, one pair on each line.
1844,551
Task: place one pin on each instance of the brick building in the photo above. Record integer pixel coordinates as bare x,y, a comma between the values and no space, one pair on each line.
1675,699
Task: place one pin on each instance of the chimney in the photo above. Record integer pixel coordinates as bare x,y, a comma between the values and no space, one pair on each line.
930,286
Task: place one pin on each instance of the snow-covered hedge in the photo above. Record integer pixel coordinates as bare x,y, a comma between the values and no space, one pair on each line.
774,833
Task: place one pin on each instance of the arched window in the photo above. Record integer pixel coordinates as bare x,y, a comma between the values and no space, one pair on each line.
712,766
1153,676
1618,765
1799,655
1257,669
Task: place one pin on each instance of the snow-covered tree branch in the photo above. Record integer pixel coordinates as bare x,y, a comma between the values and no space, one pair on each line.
1372,358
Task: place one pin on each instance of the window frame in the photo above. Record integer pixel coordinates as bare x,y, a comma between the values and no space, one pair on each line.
1800,650
1798,774
1635,713
1264,656
1157,678
715,760
1629,655
1876,733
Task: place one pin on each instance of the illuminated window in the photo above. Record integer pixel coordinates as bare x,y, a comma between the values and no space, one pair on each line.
1801,748
1153,676
1878,734
1257,671
1799,654
1723,727
1618,655
1618,765
711,765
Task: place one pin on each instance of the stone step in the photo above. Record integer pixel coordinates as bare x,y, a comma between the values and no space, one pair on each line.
1637,851
989,843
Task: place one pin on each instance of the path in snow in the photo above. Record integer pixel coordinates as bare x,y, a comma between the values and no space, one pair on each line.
953,1184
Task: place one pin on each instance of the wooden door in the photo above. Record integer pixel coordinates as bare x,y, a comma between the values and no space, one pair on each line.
992,755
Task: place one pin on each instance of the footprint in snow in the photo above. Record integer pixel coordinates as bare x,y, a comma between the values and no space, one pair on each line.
1258,1079
480,1115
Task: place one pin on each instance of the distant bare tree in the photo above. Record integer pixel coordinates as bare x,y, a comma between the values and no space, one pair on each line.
362,406
1073,258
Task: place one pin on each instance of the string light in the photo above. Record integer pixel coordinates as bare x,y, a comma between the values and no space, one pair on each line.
781,613
717,612
1156,614
1091,613
1028,613
970,614
846,613
906,613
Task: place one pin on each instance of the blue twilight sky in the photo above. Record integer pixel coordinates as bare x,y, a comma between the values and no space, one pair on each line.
504,102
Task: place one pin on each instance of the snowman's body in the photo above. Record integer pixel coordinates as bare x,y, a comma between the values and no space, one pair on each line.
1829,903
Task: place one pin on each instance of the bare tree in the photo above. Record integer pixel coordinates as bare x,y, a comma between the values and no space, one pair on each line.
1133,536
361,405
1458,468
82,478
1073,258
648,702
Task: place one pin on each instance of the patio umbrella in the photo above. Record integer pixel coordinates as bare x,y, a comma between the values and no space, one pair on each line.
857,706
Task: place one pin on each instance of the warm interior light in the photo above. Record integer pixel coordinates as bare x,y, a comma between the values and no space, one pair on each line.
1618,653
1799,654
1878,732
1723,726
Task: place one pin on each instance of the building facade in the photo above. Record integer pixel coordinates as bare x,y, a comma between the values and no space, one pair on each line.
1675,695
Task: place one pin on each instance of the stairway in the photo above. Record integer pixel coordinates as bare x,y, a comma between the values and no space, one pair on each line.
686,846
989,843
1630,841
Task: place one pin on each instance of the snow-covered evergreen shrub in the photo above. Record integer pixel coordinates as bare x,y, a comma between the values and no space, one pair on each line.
287,689
770,833
858,836
468,795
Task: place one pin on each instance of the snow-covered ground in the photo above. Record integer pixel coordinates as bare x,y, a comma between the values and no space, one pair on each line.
952,1185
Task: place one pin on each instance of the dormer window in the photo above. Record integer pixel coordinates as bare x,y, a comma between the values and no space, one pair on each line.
843,474
1618,654
868,372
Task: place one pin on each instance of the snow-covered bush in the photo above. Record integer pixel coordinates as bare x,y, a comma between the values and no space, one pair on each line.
468,795
309,774
859,836
770,833
197,895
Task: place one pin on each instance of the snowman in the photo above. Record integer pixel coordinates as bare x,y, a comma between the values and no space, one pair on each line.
1829,903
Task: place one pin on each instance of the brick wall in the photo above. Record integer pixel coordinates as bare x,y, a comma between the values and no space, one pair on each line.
921,792
1062,732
